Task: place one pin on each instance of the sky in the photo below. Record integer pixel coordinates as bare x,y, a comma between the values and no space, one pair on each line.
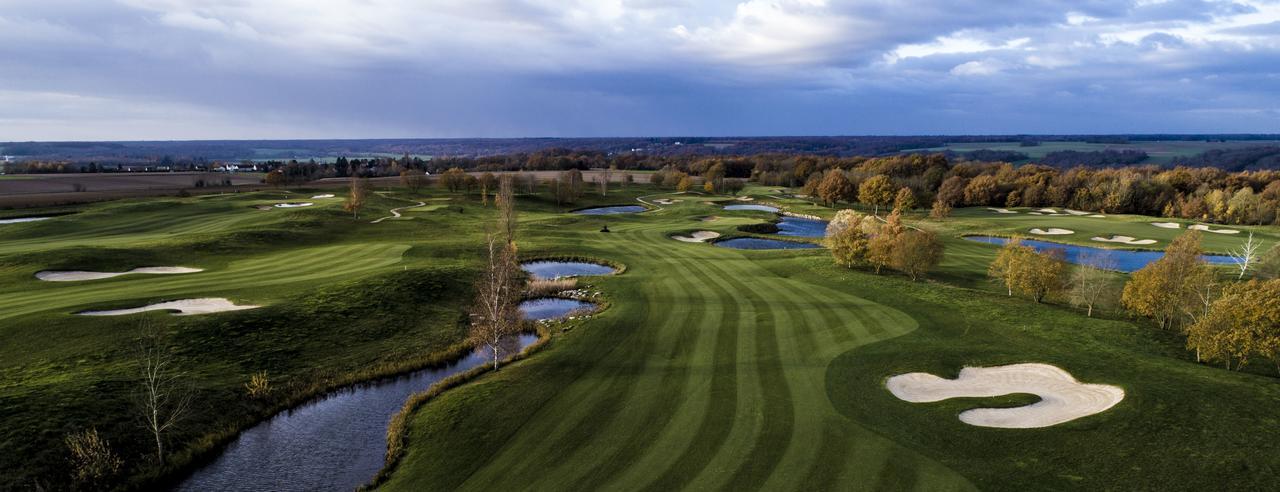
270,69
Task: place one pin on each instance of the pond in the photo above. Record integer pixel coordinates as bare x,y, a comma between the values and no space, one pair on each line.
617,209
801,227
553,307
1124,260
546,270
757,243
336,442
20,220
756,208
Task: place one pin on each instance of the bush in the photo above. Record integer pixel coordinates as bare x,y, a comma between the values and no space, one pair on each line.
92,460
258,386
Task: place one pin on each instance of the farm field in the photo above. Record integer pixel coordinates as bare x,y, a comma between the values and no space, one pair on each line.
1159,152
710,367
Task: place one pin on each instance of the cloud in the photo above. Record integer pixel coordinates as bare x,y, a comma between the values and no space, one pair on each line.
332,68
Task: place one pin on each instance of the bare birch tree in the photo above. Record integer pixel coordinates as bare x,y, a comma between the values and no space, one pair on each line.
496,312
164,395
1247,256
1092,283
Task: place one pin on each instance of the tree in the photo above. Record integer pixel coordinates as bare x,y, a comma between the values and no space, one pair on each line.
1008,260
1246,257
454,179
496,313
1040,274
981,190
905,200
413,179
685,184
1092,283
835,187
506,202
487,182
606,175
940,210
876,191
846,239
1163,288
1243,322
714,176
1269,264
882,244
275,178
915,253
356,198
163,396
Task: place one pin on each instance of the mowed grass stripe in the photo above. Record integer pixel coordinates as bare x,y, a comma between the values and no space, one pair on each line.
702,396
650,409
578,410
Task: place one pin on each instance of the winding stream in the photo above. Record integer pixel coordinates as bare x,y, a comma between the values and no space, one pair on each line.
339,441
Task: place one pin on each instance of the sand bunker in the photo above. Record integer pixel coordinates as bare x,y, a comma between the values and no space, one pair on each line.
1047,210
326,195
294,205
1001,210
1125,240
1052,231
77,276
1076,212
666,201
185,307
1205,228
1062,398
697,237
1034,213
23,219
745,199
710,218
1097,216
1167,225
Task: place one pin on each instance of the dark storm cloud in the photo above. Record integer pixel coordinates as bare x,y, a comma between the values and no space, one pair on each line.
349,68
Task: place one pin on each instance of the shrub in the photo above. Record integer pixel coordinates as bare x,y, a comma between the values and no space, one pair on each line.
258,386
543,288
92,460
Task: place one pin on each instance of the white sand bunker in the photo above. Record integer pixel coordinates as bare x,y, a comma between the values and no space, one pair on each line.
1001,210
697,237
1062,398
710,218
1097,216
77,275
185,307
666,201
23,219
1076,212
1205,228
294,205
1052,231
1047,210
1167,225
1124,240
745,199
1035,213
326,195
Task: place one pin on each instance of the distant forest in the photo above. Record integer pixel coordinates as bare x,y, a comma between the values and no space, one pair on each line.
188,154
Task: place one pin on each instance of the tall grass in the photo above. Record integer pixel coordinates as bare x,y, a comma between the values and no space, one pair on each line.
546,288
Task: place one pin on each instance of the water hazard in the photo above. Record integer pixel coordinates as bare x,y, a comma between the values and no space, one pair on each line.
1115,259
757,243
546,270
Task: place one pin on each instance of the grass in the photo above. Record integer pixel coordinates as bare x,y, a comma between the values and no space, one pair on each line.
712,368
726,369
